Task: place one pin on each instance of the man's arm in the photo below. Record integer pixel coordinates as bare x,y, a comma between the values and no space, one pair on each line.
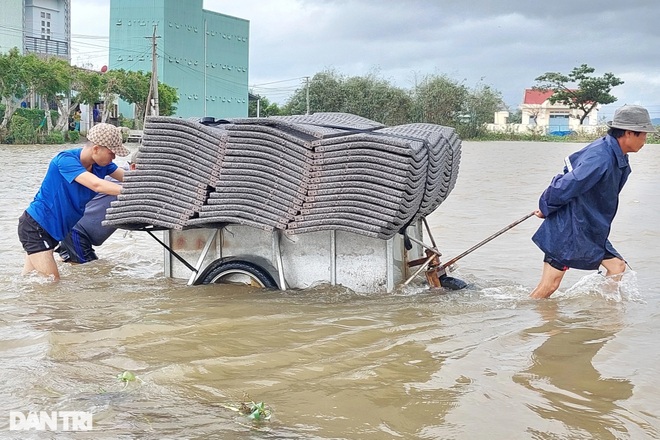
566,187
99,185
118,174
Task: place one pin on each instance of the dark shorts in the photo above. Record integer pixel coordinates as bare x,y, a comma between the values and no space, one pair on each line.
557,265
76,248
33,237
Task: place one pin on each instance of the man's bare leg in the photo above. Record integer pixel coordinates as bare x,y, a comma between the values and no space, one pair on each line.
42,262
550,281
615,268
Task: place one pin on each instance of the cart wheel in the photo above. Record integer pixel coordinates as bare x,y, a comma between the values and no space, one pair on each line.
237,272
452,283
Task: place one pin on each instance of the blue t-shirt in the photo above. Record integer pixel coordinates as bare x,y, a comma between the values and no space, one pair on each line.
60,202
580,204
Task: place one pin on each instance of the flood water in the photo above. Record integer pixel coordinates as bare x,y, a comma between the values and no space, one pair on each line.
483,363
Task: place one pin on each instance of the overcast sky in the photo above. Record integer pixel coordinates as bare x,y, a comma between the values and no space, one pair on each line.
505,44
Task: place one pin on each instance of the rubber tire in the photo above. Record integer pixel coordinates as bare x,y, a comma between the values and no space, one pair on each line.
223,268
207,120
452,283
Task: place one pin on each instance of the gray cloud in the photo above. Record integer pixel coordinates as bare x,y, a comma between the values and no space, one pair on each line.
505,44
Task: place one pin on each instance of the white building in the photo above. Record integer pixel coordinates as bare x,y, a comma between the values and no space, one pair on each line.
37,26
540,116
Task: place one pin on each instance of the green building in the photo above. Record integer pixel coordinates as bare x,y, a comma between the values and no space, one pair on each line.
203,54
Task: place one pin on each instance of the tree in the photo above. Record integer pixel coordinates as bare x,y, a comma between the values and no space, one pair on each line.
376,99
89,87
515,117
368,96
480,106
590,90
167,98
51,79
14,81
266,108
325,95
439,100
133,87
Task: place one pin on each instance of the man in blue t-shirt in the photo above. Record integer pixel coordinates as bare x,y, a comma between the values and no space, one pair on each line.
77,247
73,178
580,204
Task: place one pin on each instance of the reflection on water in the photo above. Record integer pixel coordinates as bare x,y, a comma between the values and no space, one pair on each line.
485,362
570,390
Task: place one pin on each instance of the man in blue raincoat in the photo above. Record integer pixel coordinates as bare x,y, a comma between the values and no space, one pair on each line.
580,204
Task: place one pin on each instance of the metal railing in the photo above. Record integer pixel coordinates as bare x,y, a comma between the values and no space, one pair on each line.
51,47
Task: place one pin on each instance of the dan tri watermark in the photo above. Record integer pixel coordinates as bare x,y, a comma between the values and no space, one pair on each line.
50,421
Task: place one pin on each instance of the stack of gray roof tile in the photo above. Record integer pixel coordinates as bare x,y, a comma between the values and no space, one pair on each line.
177,163
294,173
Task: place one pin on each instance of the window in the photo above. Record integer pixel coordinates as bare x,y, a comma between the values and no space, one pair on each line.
43,23
48,24
43,15
48,15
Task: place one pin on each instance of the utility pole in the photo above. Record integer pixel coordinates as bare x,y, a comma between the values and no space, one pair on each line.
154,72
152,100
307,93
206,38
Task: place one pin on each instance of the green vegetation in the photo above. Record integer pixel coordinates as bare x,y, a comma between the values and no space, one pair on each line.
590,90
436,99
253,411
65,87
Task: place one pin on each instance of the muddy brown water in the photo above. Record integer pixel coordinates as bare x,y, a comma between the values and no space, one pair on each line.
484,363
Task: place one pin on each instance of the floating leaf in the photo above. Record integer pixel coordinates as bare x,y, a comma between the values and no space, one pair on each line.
126,376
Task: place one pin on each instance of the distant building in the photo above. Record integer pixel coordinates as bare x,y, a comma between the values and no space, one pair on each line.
203,54
37,26
537,111
541,117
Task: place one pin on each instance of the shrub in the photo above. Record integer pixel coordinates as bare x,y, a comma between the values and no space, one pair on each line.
34,115
4,133
56,137
21,130
74,136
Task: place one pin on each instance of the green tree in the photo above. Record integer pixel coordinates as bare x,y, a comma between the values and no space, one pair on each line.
515,117
133,87
376,99
14,82
481,103
89,87
590,91
368,96
167,98
325,95
438,99
266,108
51,79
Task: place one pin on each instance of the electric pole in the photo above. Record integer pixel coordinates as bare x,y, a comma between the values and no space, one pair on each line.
307,93
152,100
